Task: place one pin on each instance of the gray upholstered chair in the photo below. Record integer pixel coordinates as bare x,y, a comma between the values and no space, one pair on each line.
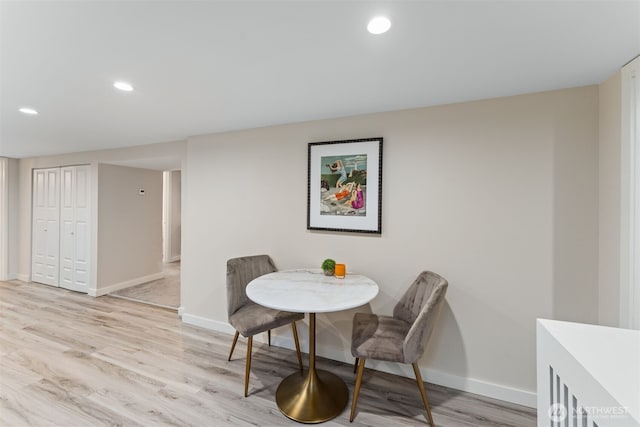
249,318
402,337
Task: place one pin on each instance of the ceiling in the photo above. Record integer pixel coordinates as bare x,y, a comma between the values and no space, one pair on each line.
213,66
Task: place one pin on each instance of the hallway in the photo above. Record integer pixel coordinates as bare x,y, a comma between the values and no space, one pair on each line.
163,293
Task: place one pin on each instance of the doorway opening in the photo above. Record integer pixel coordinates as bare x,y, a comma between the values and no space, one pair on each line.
165,292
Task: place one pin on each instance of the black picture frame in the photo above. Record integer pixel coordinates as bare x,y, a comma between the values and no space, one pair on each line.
344,185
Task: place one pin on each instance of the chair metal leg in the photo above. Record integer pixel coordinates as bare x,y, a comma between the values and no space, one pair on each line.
269,337
423,392
355,365
356,391
295,339
248,367
233,345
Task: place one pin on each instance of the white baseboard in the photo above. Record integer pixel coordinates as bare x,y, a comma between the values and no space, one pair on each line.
171,259
123,285
21,277
470,385
206,323
484,388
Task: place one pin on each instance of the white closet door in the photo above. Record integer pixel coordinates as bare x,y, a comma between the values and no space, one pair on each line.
46,226
74,232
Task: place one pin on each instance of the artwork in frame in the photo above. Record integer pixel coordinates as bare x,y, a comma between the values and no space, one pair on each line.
344,187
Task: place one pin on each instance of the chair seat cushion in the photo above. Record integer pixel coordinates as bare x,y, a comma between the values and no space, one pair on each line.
378,337
252,319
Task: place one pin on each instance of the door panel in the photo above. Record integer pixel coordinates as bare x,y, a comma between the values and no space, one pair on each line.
38,250
82,228
67,188
39,188
39,225
81,272
67,229
82,187
74,243
61,231
46,226
66,255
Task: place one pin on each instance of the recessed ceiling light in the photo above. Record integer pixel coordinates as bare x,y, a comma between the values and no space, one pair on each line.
124,86
27,110
379,25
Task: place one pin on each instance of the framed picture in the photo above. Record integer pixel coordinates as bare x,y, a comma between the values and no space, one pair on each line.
344,191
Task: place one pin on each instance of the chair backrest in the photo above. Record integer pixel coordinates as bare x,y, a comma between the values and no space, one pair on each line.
240,271
420,306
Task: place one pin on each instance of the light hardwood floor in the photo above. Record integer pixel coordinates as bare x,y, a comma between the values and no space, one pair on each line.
67,359
163,292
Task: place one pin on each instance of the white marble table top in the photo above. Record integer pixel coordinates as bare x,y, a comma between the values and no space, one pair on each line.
310,291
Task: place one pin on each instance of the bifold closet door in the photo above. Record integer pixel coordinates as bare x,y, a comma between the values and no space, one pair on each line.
61,223
74,228
46,226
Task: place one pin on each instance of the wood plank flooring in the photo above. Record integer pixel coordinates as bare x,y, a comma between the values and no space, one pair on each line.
67,359
163,292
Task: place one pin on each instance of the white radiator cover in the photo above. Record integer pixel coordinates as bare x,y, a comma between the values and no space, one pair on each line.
588,375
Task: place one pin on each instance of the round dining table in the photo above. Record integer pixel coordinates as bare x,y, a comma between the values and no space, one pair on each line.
315,395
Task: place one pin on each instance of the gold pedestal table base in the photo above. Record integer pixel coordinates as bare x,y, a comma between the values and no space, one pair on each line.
312,398
315,397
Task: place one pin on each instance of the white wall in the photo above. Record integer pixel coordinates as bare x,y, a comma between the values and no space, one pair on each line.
575,208
630,196
129,226
14,216
498,196
609,204
175,204
145,153
171,215
4,218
